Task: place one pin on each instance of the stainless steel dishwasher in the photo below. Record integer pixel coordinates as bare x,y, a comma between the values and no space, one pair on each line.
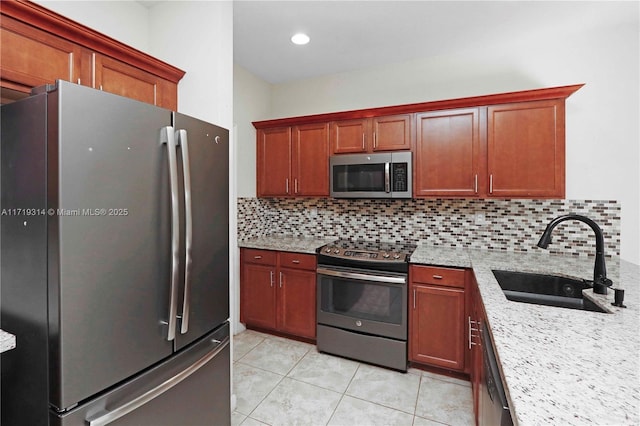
495,407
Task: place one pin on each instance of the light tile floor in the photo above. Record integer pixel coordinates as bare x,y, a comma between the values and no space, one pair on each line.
279,381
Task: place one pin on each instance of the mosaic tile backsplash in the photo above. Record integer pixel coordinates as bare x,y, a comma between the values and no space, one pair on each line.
508,225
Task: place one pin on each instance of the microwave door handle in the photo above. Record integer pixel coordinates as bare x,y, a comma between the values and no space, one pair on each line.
387,177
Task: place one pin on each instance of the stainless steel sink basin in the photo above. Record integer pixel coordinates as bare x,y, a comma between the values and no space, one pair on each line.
549,290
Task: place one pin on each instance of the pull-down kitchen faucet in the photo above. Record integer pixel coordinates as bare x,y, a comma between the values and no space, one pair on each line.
600,280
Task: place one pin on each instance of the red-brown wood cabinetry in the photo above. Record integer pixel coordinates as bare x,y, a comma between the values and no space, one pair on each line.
40,46
526,149
278,291
475,319
448,153
310,166
274,161
384,133
506,145
293,161
437,321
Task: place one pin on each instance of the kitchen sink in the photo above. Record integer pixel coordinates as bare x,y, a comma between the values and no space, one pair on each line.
549,290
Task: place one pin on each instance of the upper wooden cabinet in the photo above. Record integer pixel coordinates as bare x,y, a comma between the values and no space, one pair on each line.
125,80
274,162
506,145
526,149
39,47
387,133
448,153
293,161
310,168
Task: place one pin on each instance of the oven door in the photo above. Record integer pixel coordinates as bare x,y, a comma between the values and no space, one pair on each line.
370,302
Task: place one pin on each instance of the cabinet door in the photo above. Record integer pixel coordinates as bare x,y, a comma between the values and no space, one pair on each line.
350,136
117,77
437,326
297,302
526,149
392,132
258,295
448,153
311,160
274,162
31,58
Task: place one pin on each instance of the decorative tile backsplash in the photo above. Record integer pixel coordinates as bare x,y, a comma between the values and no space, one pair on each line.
510,225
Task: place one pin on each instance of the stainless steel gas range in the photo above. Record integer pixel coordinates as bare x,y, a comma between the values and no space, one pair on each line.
362,301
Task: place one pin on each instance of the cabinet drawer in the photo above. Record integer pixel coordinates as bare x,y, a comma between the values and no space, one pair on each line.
262,257
297,260
447,277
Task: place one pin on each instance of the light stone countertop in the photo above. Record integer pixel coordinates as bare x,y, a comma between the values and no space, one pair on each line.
560,366
7,341
286,243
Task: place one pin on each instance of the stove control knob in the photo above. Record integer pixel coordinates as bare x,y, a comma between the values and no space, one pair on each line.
336,251
328,250
396,256
385,255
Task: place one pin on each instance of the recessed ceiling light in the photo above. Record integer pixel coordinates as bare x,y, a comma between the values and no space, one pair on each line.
300,38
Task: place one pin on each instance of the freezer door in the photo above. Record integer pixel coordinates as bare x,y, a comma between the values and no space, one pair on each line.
203,150
109,234
190,389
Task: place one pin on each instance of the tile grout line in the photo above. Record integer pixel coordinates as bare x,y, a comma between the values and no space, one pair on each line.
344,393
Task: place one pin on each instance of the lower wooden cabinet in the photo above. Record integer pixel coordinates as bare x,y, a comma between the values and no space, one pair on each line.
475,318
437,321
278,291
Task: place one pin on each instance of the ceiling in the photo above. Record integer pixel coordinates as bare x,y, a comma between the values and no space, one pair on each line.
350,35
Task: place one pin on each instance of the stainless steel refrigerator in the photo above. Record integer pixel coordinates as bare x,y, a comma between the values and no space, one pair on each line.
114,256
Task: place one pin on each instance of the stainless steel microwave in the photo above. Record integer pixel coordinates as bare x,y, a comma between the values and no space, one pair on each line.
384,175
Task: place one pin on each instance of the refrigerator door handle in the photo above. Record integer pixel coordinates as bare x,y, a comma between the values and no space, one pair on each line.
167,136
181,139
115,414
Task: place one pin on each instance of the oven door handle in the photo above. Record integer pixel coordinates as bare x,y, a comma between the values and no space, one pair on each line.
362,277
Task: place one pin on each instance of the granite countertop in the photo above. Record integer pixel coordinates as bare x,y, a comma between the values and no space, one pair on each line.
560,366
7,341
286,243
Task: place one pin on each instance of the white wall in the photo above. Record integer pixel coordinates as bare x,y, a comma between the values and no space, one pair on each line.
251,102
197,36
602,130
125,21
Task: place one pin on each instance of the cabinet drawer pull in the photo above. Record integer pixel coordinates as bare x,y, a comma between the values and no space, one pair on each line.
296,261
257,257
437,277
